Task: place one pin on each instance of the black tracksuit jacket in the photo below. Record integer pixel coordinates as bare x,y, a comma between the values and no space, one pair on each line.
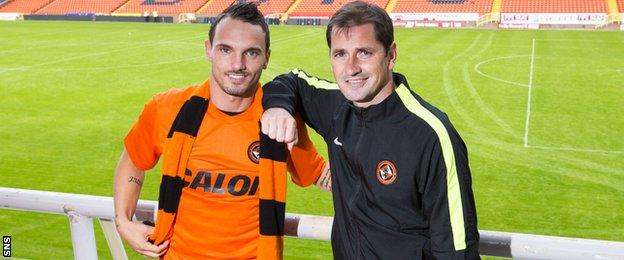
400,176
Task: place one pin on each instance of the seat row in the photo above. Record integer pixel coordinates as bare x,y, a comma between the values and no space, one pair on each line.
303,8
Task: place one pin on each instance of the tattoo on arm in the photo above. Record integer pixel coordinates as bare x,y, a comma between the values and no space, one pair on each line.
324,181
135,180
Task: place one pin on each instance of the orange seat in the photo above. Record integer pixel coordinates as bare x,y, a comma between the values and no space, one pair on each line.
274,6
316,8
215,7
163,7
555,6
81,6
426,6
24,6
621,5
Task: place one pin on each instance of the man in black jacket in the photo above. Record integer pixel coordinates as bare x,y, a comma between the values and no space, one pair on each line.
401,181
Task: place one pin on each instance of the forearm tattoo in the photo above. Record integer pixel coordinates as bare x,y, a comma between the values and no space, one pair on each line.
324,181
135,180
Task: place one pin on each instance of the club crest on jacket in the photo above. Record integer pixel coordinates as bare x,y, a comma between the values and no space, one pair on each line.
386,172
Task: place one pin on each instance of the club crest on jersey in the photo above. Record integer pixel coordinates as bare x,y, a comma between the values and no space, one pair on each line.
253,152
386,172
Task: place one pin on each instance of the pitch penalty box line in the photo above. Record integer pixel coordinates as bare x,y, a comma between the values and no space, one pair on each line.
530,87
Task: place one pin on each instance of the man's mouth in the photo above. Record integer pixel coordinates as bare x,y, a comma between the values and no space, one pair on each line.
237,77
355,81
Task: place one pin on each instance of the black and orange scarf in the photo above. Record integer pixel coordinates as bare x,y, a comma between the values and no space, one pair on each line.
177,150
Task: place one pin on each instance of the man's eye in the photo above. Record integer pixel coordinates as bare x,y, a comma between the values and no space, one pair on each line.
339,55
364,54
253,53
225,50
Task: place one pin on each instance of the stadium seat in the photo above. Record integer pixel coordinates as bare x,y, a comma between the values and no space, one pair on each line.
327,8
24,6
162,6
81,6
621,5
555,6
269,7
429,6
214,7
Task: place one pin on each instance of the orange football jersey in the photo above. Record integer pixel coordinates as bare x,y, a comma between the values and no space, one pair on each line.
218,211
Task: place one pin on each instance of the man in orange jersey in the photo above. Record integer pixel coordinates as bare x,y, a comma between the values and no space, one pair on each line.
217,213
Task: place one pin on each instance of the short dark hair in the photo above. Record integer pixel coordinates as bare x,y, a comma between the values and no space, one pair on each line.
246,12
359,13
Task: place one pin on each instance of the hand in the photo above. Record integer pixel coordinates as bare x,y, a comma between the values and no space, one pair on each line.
136,235
280,126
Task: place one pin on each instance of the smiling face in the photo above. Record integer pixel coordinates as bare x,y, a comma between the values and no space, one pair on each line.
238,54
361,66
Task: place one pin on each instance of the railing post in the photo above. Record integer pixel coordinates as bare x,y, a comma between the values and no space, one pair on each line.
83,237
113,239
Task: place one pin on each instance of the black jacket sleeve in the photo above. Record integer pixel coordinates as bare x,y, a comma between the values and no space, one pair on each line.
315,99
448,199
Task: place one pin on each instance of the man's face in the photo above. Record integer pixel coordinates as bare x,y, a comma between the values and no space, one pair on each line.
238,54
361,65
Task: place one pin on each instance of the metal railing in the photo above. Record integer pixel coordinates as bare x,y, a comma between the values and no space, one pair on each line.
82,209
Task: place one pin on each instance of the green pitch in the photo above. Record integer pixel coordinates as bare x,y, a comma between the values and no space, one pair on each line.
546,163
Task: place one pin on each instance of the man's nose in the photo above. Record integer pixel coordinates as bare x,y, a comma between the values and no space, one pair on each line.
353,66
239,63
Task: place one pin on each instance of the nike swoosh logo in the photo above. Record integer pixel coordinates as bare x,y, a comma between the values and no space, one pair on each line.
337,142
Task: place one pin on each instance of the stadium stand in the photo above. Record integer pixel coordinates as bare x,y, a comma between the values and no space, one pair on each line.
162,6
274,6
555,6
214,7
28,6
429,6
81,6
620,4
326,8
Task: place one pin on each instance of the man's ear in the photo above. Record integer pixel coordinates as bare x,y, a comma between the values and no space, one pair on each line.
268,55
208,49
392,56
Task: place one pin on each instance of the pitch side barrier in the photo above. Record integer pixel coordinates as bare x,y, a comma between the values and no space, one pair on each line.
82,209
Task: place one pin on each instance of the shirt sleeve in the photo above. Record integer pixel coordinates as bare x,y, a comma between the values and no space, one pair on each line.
448,200
304,163
141,142
315,99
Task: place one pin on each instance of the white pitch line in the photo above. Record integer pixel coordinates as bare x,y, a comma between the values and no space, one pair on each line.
113,67
476,68
138,45
528,113
579,40
576,149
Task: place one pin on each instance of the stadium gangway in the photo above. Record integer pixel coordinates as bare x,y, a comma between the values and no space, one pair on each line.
81,209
